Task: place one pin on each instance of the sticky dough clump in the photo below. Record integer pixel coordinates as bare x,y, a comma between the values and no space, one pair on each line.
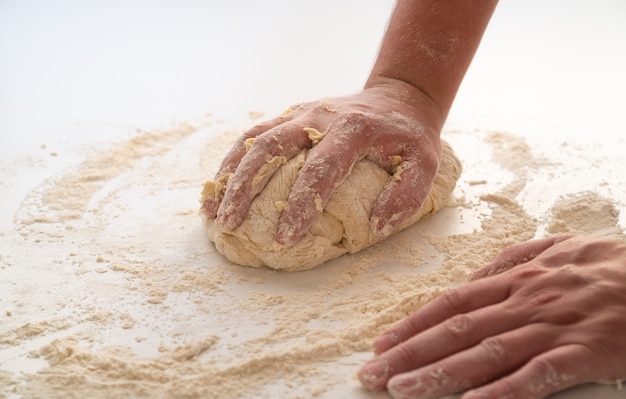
342,227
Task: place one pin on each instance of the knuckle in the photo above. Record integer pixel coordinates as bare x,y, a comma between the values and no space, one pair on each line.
494,349
509,251
546,377
507,390
265,141
259,129
356,117
454,299
352,122
321,107
430,159
543,366
459,326
252,133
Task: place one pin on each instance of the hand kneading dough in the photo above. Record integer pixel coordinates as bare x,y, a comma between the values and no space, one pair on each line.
342,227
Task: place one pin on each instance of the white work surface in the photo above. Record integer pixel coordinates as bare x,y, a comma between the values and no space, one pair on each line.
78,79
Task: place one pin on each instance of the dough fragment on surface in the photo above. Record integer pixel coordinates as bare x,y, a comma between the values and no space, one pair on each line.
342,227
314,135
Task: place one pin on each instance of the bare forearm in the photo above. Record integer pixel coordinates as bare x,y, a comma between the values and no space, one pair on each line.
429,45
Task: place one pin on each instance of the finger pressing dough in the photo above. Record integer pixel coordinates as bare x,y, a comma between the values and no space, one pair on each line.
342,227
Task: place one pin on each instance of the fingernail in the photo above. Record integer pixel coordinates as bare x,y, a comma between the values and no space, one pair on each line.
223,221
373,375
285,235
227,217
380,228
209,208
383,227
288,234
402,386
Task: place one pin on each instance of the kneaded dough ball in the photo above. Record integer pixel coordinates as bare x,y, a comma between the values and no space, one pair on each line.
342,227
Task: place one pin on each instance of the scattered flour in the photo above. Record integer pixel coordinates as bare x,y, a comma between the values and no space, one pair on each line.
585,213
172,318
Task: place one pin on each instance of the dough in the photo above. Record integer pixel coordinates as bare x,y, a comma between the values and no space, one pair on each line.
342,227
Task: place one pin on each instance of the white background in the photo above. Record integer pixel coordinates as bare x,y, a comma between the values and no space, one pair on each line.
125,64
75,73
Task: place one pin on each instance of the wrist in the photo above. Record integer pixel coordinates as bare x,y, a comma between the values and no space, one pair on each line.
415,100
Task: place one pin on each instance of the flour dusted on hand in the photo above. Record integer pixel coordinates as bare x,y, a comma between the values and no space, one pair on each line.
342,227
